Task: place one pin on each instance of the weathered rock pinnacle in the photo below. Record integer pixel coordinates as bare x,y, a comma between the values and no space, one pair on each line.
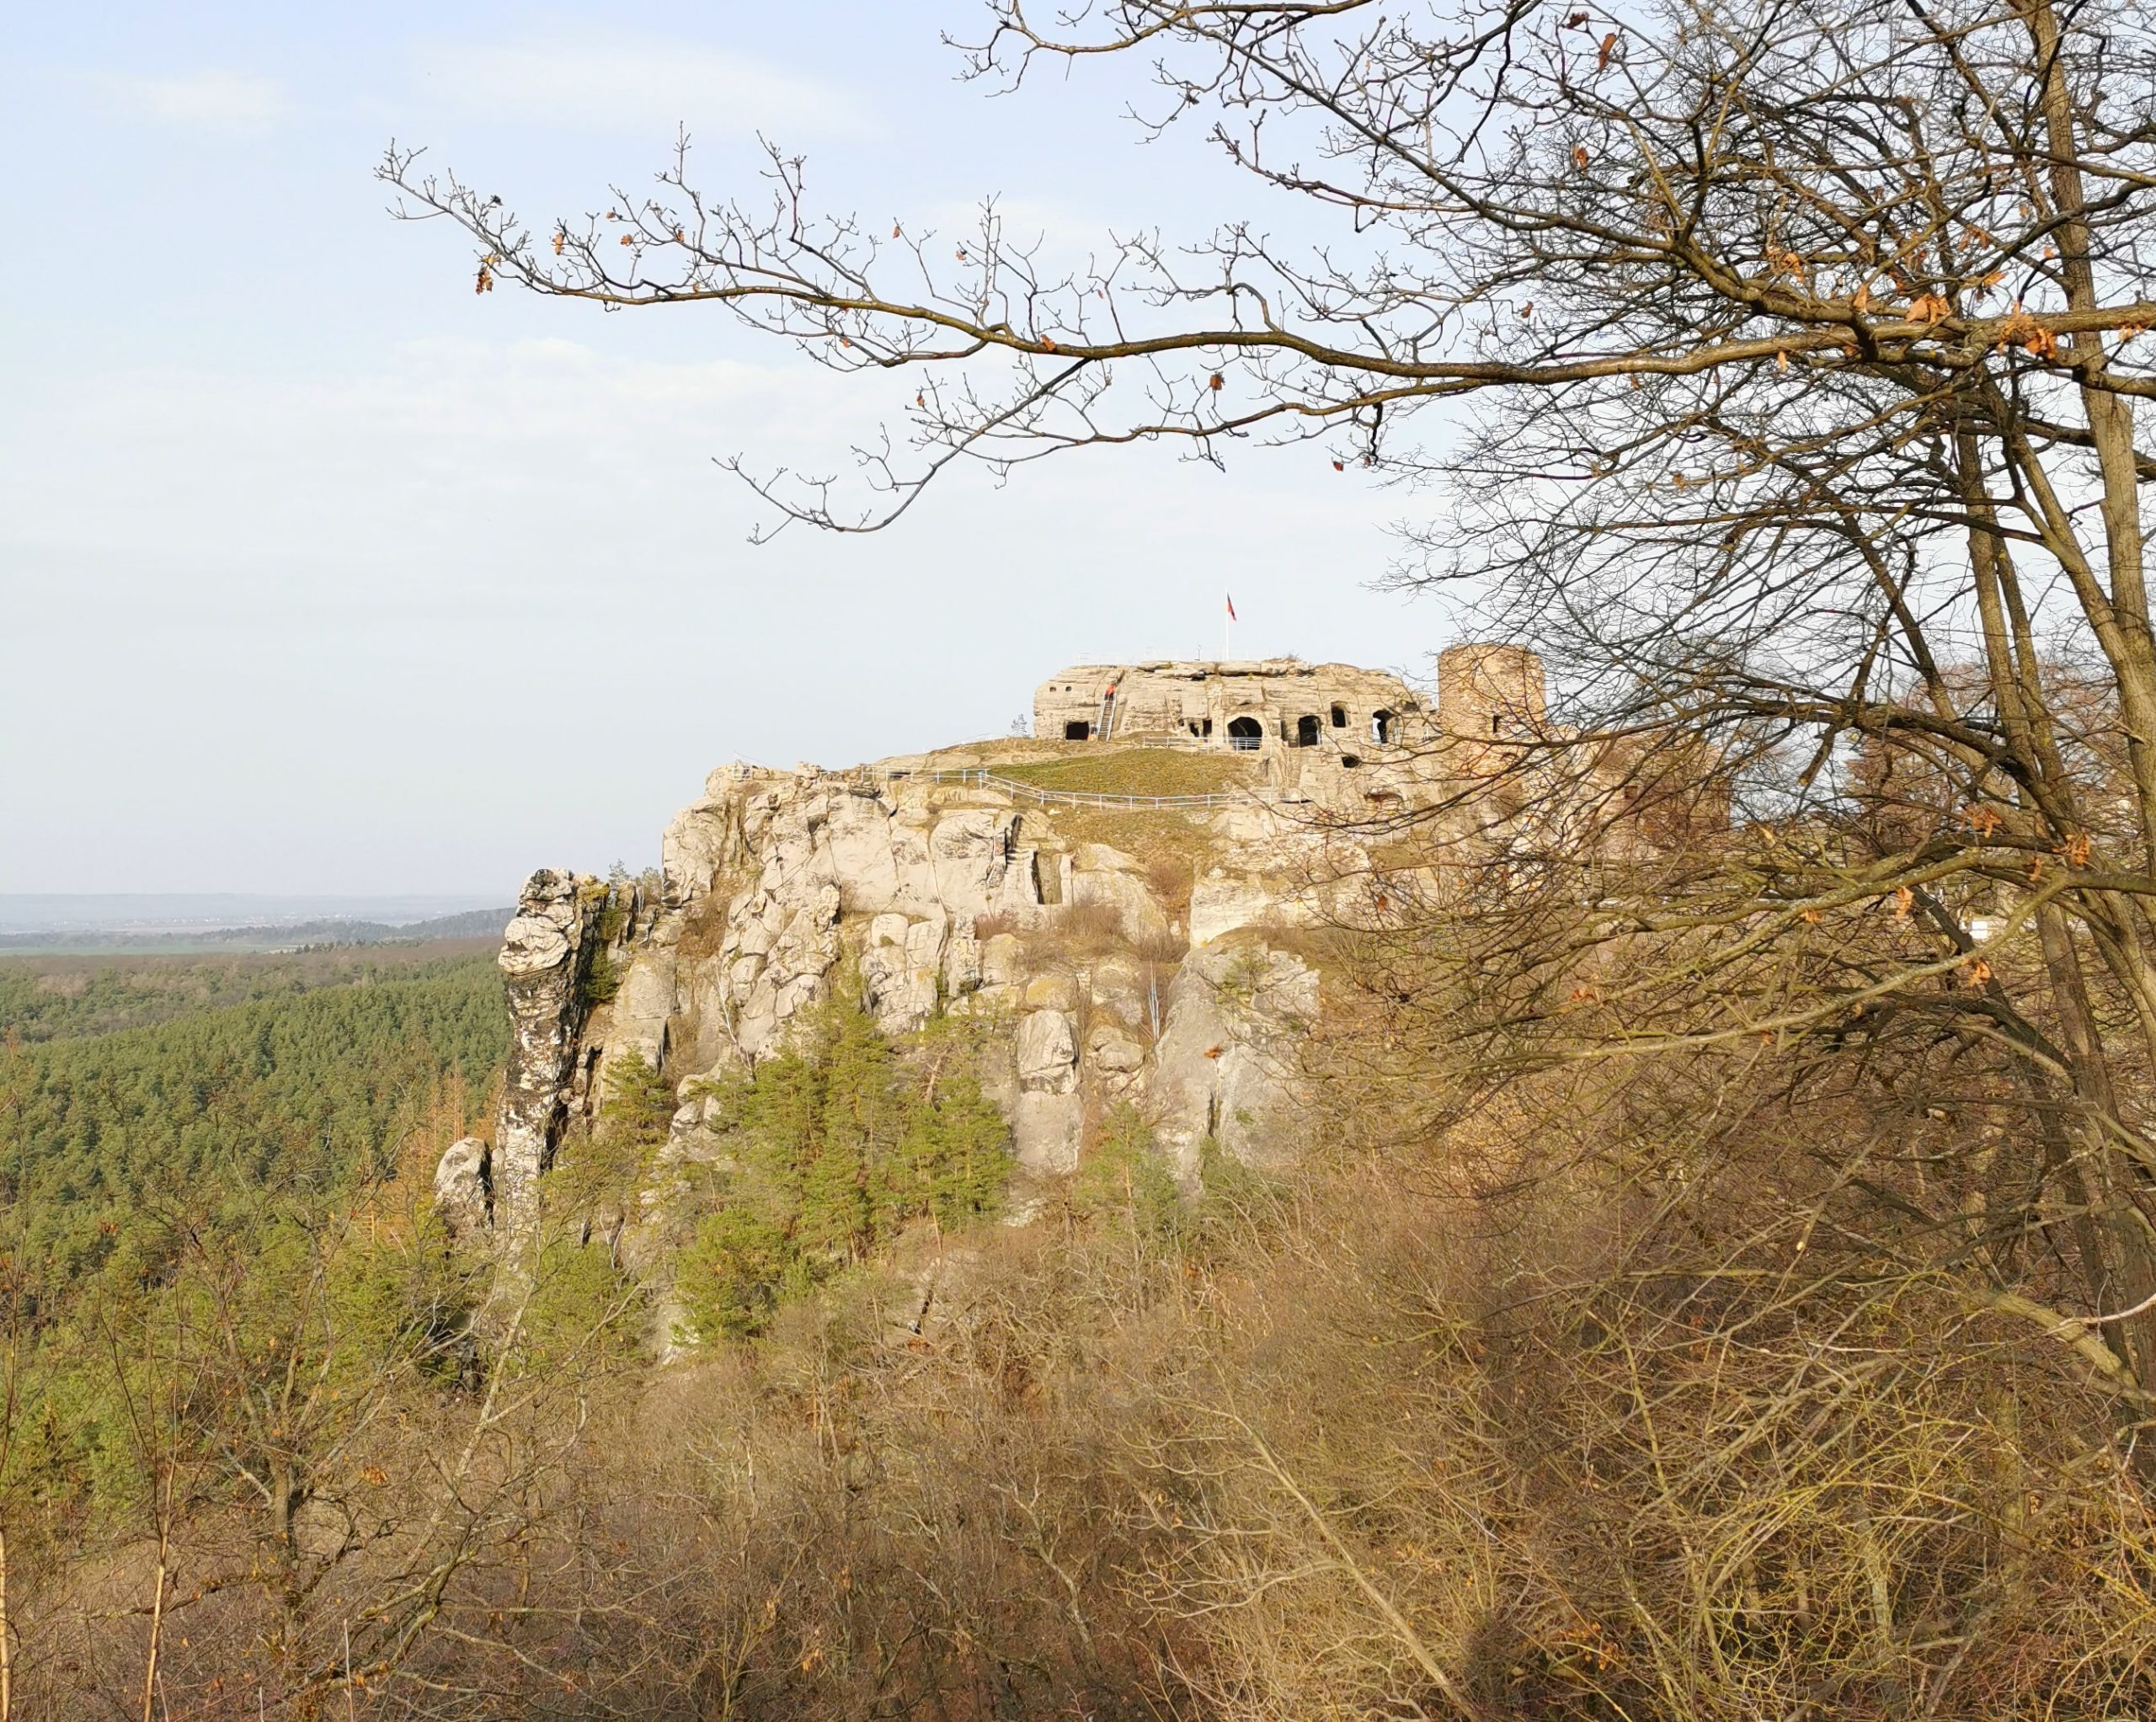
545,955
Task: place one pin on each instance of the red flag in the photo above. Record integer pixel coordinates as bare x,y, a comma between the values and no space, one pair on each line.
1232,617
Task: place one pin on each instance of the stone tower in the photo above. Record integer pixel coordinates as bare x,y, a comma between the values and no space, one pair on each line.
1489,690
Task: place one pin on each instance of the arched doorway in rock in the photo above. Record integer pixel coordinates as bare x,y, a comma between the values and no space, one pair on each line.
1077,729
1381,728
1246,734
1306,731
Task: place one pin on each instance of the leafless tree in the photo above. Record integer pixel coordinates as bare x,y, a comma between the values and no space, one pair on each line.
1787,356
1790,352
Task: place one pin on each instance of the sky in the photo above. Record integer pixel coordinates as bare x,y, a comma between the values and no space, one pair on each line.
319,572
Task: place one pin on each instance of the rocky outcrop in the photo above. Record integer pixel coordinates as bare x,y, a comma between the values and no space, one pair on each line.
769,870
1222,901
1047,1053
464,1191
643,1007
1116,951
545,959
1095,992
1226,1065
1108,880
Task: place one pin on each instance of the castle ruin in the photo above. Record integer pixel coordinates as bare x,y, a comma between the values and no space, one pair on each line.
1120,948
1274,704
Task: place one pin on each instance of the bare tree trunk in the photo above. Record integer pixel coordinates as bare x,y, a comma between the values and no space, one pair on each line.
2123,1273
157,1620
7,1657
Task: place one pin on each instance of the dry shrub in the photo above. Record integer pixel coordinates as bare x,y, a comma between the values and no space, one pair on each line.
845,1524
1481,1457
1075,932
1172,877
1380,1442
1644,1391
1672,1387
843,1520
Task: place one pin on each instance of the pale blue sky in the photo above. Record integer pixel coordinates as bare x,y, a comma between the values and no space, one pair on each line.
318,573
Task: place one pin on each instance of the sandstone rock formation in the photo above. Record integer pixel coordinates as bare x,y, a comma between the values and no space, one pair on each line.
464,1187
1225,1066
963,898
546,958
1119,952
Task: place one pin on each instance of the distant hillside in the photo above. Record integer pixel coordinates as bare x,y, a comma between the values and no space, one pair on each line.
82,995
278,936
471,924
102,1135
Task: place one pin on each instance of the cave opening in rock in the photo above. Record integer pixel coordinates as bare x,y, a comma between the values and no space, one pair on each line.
1306,731
1077,729
1246,735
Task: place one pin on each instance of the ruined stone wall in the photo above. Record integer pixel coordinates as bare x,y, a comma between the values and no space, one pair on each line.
1490,690
1290,704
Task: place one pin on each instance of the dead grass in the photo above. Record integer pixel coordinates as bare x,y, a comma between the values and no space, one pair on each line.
1078,929
703,932
1134,771
1173,847
1079,932
992,926
1171,875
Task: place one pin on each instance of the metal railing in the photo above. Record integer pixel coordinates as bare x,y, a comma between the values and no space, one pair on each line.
1060,797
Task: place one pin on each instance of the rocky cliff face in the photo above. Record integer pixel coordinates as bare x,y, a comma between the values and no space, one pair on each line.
1118,953
1118,948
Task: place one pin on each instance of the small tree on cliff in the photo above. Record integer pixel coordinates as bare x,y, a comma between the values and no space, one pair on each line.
1792,348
